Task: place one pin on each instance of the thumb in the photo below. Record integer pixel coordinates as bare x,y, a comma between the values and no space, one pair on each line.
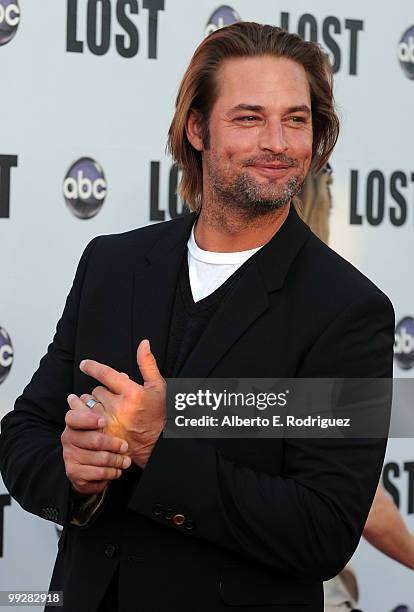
147,363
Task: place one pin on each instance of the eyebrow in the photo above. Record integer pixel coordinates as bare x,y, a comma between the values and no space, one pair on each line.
303,108
257,108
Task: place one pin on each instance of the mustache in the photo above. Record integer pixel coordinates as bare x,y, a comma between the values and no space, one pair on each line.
270,159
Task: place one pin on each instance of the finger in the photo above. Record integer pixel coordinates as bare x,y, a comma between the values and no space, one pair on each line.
76,402
96,441
106,375
84,474
97,408
81,417
98,458
86,397
97,486
147,363
104,396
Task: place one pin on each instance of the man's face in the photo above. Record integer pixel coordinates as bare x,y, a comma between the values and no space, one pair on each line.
260,130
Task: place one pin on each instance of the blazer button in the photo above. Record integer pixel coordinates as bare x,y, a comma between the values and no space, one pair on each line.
178,519
110,550
168,514
157,510
50,513
189,525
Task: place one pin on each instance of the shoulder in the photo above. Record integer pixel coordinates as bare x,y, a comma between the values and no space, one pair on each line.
138,242
145,237
351,320
328,287
330,273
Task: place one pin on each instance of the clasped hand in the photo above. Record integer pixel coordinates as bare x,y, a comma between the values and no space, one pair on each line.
123,426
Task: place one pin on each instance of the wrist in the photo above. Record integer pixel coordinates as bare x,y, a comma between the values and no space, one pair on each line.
141,459
143,454
84,508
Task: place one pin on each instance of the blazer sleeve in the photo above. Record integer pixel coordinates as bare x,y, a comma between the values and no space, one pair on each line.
306,522
31,458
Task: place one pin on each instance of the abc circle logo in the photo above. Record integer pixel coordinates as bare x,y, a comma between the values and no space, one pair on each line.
6,354
9,20
404,343
85,188
406,52
223,16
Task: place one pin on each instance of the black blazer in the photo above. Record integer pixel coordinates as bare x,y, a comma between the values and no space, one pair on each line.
266,520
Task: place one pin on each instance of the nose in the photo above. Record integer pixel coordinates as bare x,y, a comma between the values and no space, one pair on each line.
273,137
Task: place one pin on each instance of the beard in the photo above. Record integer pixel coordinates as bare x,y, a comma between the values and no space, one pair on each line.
251,198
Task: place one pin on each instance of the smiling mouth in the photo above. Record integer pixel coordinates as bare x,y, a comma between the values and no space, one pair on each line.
272,169
273,166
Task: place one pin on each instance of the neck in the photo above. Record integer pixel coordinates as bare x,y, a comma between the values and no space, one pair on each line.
225,231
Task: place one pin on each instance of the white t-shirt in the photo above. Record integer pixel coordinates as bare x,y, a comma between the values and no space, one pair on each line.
208,269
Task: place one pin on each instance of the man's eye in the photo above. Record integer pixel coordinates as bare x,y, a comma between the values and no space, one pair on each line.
248,118
296,119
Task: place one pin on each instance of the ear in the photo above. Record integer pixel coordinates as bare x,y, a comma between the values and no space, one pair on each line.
194,130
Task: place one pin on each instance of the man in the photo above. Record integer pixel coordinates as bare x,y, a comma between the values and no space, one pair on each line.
197,525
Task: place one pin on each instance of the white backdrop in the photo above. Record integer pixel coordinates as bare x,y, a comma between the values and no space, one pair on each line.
95,80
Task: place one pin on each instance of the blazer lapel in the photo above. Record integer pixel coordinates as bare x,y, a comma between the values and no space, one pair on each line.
154,289
249,298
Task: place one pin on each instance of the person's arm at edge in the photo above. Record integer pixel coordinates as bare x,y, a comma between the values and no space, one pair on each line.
386,530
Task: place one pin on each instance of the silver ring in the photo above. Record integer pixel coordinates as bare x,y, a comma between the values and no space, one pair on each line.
91,403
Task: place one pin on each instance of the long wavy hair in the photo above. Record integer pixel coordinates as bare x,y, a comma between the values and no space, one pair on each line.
314,202
198,91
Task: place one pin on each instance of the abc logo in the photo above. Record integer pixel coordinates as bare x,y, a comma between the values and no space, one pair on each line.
84,188
404,343
221,17
406,52
9,20
6,354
